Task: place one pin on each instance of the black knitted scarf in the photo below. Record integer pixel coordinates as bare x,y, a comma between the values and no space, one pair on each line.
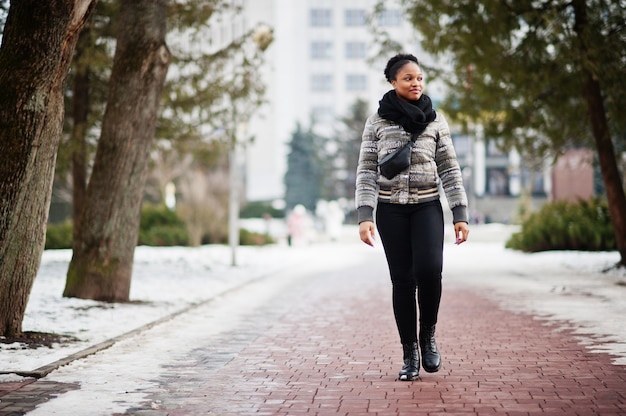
414,116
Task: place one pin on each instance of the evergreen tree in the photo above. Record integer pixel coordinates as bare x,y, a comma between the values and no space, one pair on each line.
541,75
302,179
349,140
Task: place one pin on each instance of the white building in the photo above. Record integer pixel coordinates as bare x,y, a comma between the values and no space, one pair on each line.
317,66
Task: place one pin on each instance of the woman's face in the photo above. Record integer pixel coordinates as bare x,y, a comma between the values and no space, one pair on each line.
409,82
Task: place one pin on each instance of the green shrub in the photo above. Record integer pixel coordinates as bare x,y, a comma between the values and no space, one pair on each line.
59,235
155,215
258,209
249,238
585,225
161,227
158,227
163,236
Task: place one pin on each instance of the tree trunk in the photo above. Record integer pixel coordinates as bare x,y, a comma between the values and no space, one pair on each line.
606,153
608,164
37,47
101,266
80,94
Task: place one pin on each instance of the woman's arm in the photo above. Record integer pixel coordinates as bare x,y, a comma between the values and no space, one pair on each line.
449,172
367,174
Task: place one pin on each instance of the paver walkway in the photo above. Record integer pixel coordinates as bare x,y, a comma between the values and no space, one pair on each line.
327,345
332,357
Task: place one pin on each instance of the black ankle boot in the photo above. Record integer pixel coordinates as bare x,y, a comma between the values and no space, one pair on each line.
431,360
411,368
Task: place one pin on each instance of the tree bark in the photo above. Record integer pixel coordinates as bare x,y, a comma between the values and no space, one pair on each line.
37,46
103,252
80,110
592,93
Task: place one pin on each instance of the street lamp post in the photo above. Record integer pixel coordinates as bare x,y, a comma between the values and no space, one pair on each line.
235,190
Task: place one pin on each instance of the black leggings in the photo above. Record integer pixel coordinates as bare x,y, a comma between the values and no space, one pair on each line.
412,236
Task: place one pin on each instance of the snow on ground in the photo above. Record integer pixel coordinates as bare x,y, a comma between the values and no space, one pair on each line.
165,280
560,285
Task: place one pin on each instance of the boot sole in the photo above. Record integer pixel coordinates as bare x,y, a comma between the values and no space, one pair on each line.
408,378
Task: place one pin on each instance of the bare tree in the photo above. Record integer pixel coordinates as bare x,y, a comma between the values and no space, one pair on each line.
204,206
167,166
104,245
37,46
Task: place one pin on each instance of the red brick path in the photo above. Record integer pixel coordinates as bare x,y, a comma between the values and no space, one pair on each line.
338,354
327,345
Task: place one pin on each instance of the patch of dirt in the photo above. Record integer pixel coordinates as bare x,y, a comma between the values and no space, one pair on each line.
33,340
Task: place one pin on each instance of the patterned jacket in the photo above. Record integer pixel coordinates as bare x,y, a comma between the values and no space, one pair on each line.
433,163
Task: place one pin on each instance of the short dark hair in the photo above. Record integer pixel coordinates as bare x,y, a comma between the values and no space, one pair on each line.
396,62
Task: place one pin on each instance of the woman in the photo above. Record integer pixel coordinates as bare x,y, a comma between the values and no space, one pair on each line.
409,216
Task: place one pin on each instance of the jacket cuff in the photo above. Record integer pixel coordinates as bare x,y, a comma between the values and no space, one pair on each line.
365,213
459,214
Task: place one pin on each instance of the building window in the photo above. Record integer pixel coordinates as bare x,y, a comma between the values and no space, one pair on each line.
461,145
390,18
321,50
355,50
321,17
534,178
321,82
497,181
493,149
355,17
356,82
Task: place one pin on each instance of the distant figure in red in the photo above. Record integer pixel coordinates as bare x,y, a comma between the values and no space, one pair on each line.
296,225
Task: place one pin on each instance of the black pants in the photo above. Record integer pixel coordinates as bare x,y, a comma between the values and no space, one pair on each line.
412,236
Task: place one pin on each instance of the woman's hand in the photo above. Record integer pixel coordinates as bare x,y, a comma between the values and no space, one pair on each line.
461,231
367,232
